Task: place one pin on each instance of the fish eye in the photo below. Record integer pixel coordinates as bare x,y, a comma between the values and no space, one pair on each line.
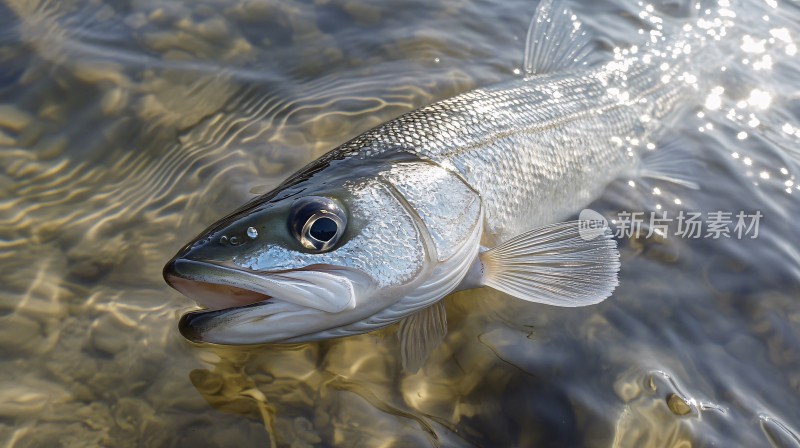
317,222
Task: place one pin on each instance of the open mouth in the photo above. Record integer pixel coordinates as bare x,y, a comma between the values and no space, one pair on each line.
244,306
220,287
210,285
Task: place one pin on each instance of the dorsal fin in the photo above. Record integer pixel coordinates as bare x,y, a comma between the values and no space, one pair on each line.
555,40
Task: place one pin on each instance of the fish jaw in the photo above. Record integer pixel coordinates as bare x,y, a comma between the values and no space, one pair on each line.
257,323
248,307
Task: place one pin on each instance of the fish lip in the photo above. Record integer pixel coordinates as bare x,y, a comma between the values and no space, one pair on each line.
189,270
194,324
197,271
332,289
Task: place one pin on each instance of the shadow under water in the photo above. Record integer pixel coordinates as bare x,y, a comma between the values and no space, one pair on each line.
128,126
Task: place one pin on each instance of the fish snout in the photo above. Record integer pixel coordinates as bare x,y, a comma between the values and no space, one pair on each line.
170,272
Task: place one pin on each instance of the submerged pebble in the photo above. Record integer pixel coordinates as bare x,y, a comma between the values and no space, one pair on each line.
109,336
114,101
6,139
100,72
14,119
678,405
18,333
28,396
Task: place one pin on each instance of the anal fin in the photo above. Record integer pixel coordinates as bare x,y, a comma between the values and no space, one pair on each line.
673,163
420,333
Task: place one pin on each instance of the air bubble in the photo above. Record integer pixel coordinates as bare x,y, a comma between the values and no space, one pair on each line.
252,233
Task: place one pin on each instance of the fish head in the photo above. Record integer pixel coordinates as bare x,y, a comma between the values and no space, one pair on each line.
329,249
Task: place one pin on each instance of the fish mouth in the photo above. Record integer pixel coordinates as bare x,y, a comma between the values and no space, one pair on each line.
210,286
217,286
227,292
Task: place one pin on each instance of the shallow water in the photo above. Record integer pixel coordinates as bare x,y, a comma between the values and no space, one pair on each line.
126,127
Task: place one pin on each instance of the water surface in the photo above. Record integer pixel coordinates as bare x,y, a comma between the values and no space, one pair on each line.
126,127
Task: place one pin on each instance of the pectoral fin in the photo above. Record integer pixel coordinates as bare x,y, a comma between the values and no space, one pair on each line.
566,264
420,333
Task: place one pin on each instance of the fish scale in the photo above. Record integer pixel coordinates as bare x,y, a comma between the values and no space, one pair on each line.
537,149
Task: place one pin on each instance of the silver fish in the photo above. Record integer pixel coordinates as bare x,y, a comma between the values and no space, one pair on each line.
459,194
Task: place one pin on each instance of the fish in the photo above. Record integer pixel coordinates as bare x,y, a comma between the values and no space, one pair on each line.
472,191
